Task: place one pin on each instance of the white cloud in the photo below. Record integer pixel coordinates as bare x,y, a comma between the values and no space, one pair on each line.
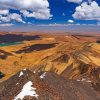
11,17
16,17
87,11
6,25
63,14
38,15
75,1
29,23
70,21
98,24
77,24
4,12
4,19
24,4
40,8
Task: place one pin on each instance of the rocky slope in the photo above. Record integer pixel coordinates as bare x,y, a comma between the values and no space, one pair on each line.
28,85
61,67
71,56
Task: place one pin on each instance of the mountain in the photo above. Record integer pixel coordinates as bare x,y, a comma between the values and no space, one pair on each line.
61,66
28,85
69,55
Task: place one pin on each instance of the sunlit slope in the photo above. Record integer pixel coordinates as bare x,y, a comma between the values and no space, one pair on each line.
66,55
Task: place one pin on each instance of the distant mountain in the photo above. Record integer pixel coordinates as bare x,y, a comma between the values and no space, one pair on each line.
28,85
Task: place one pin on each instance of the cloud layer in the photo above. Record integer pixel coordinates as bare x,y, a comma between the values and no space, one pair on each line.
70,21
39,9
75,1
5,16
25,4
87,11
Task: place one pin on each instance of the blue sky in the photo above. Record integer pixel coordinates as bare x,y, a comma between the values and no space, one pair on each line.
49,12
60,7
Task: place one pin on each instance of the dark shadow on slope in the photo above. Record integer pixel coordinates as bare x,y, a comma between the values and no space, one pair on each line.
4,54
1,75
36,47
95,74
84,68
9,38
63,58
98,41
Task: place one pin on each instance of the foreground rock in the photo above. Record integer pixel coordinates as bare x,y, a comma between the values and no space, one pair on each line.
27,85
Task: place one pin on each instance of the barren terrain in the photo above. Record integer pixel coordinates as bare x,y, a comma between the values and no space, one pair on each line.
70,55
55,63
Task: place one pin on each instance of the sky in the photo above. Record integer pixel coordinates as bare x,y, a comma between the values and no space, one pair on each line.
49,12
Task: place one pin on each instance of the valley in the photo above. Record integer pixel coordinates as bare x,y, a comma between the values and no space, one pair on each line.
63,53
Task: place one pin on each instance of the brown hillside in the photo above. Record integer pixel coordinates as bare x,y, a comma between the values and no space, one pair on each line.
71,56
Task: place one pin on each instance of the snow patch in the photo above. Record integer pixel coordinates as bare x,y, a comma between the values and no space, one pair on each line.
21,74
24,69
43,75
88,81
78,80
83,79
17,83
34,72
27,90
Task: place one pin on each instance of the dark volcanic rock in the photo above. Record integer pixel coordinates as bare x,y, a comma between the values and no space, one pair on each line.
47,86
1,75
98,41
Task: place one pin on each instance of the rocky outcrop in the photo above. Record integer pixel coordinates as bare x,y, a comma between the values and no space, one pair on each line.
28,85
